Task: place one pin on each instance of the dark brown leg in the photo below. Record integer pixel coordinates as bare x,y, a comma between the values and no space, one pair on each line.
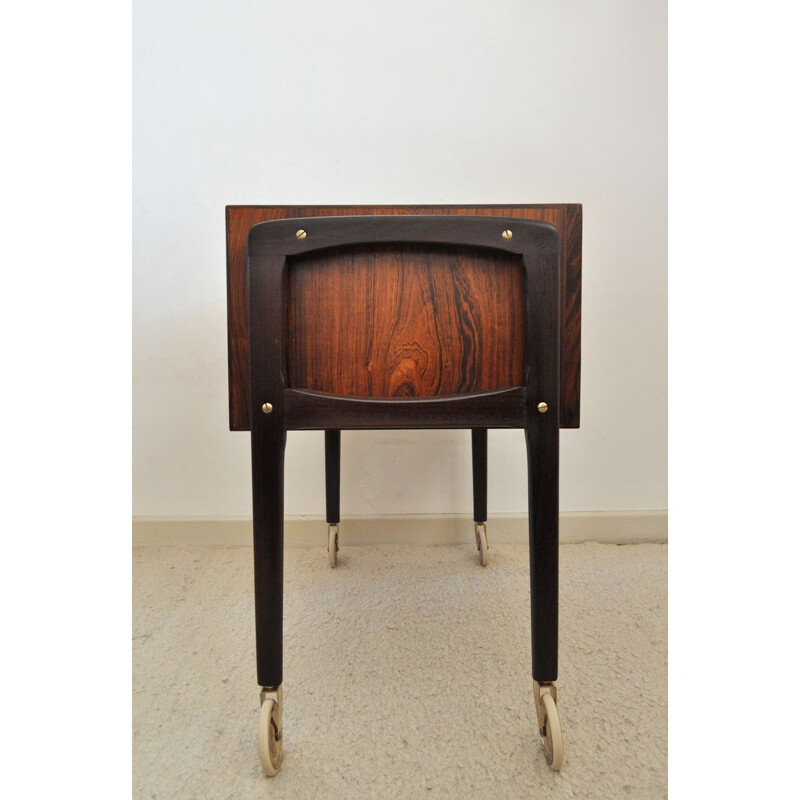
541,437
267,458
333,447
479,474
267,444
542,442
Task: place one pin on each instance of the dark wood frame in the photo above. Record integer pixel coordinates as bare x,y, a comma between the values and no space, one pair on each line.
275,408
566,217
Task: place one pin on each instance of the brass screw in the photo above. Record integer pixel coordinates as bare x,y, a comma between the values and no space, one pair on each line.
507,234
542,408
301,234
267,408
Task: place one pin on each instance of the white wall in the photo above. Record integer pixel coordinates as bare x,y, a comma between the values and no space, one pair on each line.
440,101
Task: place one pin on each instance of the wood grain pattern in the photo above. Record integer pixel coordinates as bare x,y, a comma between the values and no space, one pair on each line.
239,220
399,321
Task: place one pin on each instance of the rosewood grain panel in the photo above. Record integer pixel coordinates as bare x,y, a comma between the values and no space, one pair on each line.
239,220
405,320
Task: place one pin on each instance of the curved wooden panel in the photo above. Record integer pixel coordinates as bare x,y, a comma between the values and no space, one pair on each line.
405,320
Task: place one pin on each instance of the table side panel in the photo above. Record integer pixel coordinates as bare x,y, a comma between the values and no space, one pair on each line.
405,320
239,220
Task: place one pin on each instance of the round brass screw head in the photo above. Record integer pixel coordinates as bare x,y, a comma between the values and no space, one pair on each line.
506,234
542,407
267,408
301,234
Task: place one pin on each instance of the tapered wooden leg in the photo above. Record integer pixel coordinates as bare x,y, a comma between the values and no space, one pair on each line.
542,445
333,447
267,458
479,476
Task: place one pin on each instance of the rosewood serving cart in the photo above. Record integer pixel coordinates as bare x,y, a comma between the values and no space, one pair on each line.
365,317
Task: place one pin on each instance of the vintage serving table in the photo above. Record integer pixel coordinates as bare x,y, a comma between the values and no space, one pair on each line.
371,317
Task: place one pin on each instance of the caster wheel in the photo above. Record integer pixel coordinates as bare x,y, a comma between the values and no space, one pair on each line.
551,733
270,732
482,542
333,544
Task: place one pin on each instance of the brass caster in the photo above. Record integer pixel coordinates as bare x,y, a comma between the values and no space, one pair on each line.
270,730
333,544
546,698
482,542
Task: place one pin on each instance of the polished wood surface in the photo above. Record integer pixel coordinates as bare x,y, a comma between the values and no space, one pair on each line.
401,321
240,219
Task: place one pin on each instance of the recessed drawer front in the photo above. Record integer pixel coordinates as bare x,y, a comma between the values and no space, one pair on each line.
405,320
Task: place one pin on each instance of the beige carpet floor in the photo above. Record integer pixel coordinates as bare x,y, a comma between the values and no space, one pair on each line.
406,675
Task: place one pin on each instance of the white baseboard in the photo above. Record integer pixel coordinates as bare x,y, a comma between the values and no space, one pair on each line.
612,527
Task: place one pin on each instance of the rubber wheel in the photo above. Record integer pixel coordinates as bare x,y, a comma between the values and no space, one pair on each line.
552,740
270,745
483,545
333,545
